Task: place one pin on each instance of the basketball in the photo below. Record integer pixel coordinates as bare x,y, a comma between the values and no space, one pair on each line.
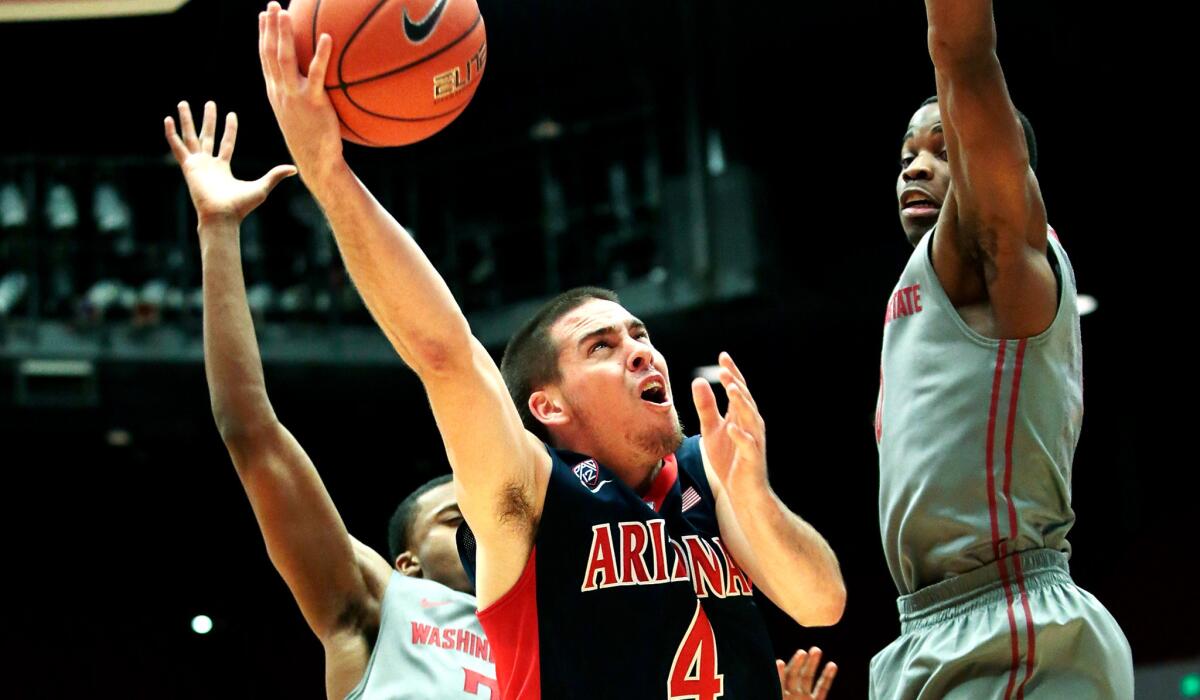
400,70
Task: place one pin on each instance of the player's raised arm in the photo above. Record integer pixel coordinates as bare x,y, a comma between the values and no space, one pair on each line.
785,556
495,461
337,584
990,243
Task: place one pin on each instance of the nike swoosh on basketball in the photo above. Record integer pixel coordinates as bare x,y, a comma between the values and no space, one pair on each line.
418,31
427,603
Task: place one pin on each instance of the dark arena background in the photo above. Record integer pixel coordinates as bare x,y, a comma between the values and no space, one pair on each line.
729,168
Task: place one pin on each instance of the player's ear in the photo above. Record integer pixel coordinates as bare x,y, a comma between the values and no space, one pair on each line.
547,407
409,564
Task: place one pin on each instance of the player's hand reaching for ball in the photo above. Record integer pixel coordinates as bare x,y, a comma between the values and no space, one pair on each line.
736,443
218,196
797,678
301,105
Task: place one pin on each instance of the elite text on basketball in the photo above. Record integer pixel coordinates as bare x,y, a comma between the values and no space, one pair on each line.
458,78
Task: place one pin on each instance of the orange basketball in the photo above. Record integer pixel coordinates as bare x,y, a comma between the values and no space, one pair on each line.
400,70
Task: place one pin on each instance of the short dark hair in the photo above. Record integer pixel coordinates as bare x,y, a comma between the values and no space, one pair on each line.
400,524
531,358
1030,138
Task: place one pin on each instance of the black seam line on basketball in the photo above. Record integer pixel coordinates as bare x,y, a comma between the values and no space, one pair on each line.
400,119
351,130
343,84
354,35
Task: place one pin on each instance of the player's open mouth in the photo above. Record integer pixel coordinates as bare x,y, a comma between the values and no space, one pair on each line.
654,391
917,203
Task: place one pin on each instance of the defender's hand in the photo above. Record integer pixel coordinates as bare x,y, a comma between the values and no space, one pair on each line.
216,193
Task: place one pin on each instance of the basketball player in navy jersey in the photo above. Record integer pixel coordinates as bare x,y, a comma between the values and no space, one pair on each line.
402,631
615,558
980,406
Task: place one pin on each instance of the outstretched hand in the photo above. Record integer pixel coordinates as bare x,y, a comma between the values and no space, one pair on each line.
302,107
797,678
736,443
216,193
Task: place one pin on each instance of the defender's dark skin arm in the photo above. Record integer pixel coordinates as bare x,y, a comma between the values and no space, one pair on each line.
989,248
337,582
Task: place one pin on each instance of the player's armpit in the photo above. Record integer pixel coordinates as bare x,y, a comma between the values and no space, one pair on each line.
500,469
348,649
994,217
376,571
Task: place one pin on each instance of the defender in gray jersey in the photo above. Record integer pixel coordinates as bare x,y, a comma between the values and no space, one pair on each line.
389,633
980,404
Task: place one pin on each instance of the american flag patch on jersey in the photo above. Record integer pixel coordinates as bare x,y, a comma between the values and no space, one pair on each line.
690,498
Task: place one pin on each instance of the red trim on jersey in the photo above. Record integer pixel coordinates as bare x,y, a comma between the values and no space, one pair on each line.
991,448
997,546
1012,515
1008,440
511,625
667,476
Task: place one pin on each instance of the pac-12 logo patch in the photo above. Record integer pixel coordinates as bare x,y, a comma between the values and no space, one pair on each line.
588,472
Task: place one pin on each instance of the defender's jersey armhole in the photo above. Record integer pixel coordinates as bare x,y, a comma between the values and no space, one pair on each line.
511,625
1065,309
392,589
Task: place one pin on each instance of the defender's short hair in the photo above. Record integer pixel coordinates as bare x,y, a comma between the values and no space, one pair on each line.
400,524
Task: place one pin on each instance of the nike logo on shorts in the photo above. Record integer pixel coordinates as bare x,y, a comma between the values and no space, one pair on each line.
419,31
427,603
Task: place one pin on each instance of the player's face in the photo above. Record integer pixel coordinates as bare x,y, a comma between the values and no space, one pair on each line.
434,526
924,178
615,383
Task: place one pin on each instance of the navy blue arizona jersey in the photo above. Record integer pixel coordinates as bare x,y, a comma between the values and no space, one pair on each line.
631,597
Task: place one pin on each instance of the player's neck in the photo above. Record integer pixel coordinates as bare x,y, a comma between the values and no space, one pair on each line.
637,471
636,474
636,468
651,475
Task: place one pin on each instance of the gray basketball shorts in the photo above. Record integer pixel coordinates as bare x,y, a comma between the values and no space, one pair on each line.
1016,628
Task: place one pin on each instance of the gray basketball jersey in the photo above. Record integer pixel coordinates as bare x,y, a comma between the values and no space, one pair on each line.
430,646
975,435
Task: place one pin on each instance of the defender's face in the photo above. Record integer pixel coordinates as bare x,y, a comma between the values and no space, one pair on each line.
615,383
924,179
433,530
